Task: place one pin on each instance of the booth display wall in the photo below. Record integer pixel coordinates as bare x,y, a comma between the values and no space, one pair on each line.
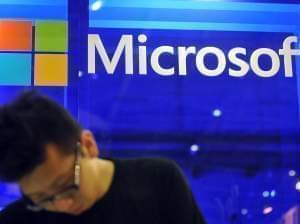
232,126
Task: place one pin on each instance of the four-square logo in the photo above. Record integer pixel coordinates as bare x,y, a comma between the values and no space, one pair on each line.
33,53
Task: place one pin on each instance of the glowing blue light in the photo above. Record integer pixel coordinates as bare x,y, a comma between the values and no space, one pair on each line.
194,148
96,5
1,208
217,113
298,186
266,194
80,74
292,173
273,193
244,211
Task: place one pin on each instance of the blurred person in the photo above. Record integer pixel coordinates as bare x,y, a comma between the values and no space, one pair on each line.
57,167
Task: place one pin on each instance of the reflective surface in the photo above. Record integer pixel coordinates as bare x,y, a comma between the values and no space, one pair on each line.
236,138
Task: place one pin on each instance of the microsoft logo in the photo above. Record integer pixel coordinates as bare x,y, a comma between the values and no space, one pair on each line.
33,54
235,62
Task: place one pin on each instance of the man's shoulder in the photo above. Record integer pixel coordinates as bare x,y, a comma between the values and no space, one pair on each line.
143,176
143,168
13,212
148,164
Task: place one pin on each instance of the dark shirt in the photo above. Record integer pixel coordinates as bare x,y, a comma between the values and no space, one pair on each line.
143,191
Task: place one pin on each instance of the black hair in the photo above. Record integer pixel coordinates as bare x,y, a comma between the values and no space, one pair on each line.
27,124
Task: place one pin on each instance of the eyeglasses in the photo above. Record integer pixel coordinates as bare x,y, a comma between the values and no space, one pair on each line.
67,192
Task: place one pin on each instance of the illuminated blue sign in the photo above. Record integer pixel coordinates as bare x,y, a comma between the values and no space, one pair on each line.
166,56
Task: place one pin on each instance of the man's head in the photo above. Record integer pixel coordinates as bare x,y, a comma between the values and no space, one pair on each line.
39,147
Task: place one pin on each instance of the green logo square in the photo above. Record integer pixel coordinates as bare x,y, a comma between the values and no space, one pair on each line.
51,36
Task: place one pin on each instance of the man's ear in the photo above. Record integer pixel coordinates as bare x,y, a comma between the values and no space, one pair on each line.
89,143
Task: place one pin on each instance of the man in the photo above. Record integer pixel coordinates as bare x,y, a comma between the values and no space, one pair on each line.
62,179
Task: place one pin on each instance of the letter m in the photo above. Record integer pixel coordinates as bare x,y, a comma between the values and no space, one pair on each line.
95,44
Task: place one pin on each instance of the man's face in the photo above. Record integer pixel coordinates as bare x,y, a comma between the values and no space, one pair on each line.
55,175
